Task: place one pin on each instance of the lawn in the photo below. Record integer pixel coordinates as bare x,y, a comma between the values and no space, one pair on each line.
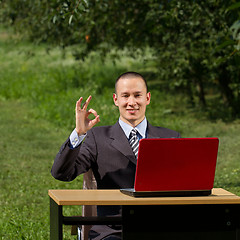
38,91
27,148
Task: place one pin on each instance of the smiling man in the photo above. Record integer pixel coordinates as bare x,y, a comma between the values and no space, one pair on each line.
110,151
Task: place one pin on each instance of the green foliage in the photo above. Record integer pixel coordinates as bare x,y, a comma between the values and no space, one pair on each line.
52,86
192,41
235,28
37,100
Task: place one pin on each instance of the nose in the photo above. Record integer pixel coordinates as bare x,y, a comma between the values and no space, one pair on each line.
131,101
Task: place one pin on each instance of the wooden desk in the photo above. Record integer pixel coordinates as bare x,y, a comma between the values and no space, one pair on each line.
210,217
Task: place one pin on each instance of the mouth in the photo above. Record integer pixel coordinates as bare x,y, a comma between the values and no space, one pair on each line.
132,111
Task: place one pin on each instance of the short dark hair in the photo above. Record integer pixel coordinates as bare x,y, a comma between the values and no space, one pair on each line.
131,75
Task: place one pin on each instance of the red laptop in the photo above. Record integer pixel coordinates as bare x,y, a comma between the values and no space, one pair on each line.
175,167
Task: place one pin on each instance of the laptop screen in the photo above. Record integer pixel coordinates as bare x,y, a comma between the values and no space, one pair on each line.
176,164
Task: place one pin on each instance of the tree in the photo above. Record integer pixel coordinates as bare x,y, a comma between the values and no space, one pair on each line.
192,40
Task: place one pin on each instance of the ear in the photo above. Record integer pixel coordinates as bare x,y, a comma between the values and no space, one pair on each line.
115,99
148,98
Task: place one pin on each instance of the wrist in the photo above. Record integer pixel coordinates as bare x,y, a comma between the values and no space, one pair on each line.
75,139
79,132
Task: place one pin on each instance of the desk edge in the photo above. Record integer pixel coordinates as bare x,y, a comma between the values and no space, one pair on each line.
228,199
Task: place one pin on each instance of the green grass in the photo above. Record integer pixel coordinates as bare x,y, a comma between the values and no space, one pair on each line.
27,150
38,92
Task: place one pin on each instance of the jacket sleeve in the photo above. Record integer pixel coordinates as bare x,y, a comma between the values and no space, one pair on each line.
69,163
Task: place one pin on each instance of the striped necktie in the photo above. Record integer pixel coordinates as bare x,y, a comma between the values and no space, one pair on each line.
134,142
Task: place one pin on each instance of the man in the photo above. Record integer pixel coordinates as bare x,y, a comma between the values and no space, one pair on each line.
107,149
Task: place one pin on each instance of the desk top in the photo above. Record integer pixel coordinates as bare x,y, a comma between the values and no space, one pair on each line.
115,197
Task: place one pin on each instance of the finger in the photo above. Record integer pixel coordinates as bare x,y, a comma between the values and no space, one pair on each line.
83,105
78,103
87,102
92,111
95,121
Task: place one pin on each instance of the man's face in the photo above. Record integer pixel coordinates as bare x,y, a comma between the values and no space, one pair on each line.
131,98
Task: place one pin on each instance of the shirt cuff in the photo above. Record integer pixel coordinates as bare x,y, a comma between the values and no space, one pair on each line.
76,140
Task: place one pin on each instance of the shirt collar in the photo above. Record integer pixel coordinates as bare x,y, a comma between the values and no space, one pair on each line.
141,128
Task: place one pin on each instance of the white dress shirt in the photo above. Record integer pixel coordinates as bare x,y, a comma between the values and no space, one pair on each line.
76,140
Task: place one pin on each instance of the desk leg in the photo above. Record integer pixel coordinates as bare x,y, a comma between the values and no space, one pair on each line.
56,221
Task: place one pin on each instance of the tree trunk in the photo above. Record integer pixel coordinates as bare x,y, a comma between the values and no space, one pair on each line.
190,93
201,92
224,81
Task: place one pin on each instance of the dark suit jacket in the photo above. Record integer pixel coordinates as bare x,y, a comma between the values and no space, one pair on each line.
107,152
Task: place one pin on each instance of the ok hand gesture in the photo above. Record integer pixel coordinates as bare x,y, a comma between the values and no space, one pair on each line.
83,123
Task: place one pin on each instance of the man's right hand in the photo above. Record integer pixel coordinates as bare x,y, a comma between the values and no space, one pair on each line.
83,123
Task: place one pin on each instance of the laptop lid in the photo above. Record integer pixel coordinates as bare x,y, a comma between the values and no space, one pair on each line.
176,164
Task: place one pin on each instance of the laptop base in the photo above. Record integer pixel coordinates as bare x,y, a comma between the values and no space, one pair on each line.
131,192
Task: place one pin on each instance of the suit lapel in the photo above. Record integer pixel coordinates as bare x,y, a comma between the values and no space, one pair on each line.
120,142
151,133
157,132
